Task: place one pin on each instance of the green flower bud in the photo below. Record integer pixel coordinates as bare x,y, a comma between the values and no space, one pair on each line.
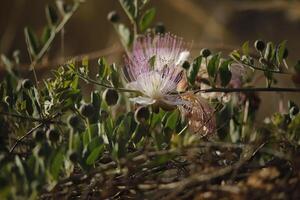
53,135
67,7
87,110
113,17
142,114
160,28
73,157
111,97
259,45
39,135
73,121
186,65
205,53
294,111
27,84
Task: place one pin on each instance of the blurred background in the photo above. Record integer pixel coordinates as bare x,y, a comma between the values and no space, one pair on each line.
221,25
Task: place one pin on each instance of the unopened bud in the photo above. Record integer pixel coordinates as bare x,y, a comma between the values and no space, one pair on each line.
205,53
74,121
53,135
111,97
73,157
259,45
39,135
27,84
160,28
186,65
142,114
87,110
113,17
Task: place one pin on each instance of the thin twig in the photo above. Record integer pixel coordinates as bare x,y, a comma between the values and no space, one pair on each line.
52,36
24,136
105,85
259,68
33,119
230,90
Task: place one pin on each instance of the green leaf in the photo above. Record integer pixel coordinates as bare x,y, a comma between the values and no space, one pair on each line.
56,164
245,48
235,55
280,51
194,70
85,138
130,8
147,18
46,34
104,69
94,143
29,106
68,93
172,120
96,100
213,65
31,41
225,73
269,52
168,132
20,166
125,35
95,154
114,76
8,64
52,16
140,132
123,132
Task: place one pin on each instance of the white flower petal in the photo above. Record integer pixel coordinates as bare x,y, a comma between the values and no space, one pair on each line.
133,85
143,100
183,56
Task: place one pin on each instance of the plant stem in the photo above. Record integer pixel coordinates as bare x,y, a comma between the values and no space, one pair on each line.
52,36
261,69
24,136
105,85
245,118
89,130
71,139
33,119
230,90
